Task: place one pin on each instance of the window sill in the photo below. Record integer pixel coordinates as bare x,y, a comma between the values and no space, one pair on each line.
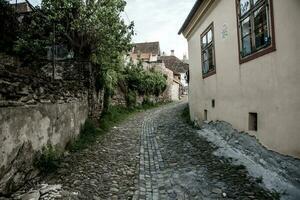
209,74
258,54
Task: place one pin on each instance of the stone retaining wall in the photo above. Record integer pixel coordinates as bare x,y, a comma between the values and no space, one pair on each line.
25,130
37,110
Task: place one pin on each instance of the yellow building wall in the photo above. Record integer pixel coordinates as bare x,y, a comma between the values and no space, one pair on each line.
268,85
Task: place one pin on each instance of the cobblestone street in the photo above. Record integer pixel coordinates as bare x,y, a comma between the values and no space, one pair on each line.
152,155
175,163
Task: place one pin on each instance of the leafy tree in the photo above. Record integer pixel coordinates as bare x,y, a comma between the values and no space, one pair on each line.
93,30
136,80
35,34
8,27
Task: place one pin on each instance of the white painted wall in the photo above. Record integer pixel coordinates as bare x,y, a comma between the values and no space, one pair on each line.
183,79
175,92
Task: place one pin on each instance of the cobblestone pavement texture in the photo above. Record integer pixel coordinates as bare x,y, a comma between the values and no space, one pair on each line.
106,170
175,163
152,155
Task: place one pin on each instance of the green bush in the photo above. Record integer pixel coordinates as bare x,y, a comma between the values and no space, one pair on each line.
131,98
8,27
87,135
147,102
47,160
89,132
136,81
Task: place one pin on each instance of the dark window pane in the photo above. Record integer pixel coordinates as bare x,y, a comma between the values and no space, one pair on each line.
205,55
244,6
209,36
205,67
246,27
211,65
246,45
256,1
261,37
260,16
261,28
204,41
210,56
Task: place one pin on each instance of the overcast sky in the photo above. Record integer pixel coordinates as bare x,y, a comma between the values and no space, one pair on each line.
157,20
160,20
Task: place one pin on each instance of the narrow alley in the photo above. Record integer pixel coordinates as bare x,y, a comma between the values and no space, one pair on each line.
152,155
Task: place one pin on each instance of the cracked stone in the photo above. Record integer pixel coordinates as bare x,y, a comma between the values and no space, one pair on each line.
33,195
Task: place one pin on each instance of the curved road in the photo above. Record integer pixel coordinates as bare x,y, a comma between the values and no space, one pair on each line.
152,155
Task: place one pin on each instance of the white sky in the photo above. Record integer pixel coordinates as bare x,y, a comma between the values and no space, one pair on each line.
160,20
157,20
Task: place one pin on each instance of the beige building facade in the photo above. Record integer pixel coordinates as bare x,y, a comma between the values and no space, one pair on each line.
244,58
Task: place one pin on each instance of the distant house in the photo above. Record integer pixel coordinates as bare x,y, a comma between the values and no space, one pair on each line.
244,58
145,52
179,68
148,54
22,8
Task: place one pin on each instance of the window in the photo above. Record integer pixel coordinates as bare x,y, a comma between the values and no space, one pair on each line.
252,121
213,103
208,52
205,115
256,28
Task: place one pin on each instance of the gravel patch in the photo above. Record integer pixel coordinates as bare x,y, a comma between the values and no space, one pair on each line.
278,172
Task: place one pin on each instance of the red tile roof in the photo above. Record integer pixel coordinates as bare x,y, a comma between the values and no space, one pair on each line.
22,7
147,47
175,64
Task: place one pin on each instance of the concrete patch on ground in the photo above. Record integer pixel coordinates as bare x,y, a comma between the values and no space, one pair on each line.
279,173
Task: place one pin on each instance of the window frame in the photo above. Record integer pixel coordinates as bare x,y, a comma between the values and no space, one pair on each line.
212,43
263,50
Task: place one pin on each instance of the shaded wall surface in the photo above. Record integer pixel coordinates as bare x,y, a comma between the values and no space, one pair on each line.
39,108
26,130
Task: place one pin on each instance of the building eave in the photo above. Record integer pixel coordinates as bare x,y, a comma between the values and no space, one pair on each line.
190,16
198,12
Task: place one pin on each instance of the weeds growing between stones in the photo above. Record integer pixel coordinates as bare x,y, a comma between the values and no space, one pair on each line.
47,160
92,130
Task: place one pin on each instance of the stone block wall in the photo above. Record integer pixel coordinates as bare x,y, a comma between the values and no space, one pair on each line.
37,110
27,129
25,86
118,99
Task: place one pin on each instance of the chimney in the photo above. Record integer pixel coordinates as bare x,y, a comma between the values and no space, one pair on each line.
172,52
